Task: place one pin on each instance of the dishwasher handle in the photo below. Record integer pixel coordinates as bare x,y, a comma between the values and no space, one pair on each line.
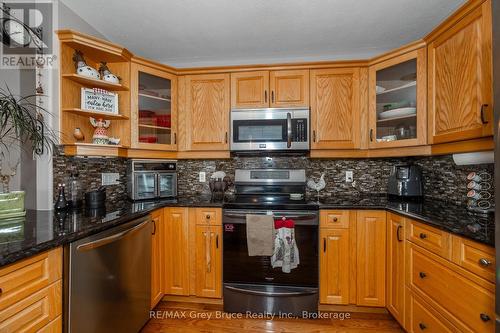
110,239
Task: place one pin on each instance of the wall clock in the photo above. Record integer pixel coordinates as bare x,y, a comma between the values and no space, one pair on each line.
15,33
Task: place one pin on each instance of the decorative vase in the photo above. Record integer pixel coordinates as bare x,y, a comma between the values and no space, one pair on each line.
78,134
12,204
100,136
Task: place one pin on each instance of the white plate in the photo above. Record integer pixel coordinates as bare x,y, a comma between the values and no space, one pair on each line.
379,89
401,112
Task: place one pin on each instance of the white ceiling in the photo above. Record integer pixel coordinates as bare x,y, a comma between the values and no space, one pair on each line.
192,33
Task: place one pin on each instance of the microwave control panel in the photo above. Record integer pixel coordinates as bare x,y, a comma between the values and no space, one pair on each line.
299,130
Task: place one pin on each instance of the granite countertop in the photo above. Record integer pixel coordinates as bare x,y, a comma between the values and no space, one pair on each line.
39,231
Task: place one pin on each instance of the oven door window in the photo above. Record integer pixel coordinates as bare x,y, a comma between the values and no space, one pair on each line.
167,184
261,130
145,185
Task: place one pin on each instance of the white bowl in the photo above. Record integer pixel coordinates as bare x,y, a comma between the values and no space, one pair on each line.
401,112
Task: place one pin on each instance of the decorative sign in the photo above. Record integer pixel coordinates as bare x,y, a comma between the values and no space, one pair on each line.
99,100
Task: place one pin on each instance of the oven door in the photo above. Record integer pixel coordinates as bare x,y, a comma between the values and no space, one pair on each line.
270,129
144,185
239,268
167,184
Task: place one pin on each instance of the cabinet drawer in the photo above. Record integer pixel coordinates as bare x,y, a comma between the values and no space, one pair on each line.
334,219
432,239
33,312
470,304
475,257
55,326
208,216
28,276
425,319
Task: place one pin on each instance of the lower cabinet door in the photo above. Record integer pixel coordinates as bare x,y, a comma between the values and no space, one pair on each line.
396,266
156,257
371,254
176,247
334,266
208,261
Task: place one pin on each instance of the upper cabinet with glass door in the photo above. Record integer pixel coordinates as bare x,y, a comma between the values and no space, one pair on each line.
397,104
154,111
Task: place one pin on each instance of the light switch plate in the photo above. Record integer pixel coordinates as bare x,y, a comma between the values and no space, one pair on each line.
203,176
349,177
110,178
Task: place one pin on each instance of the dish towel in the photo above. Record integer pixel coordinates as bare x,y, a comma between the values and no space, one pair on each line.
260,232
286,253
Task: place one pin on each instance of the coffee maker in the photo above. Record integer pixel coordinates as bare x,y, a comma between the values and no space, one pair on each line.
405,181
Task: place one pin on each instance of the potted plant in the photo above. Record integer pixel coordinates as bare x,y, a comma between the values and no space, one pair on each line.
21,126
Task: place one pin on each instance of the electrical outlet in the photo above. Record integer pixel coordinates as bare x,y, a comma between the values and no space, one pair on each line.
349,177
110,178
203,176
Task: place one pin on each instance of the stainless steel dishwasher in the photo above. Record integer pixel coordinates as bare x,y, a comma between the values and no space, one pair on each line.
108,280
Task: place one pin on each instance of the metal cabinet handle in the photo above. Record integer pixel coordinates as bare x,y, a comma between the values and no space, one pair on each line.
422,275
1,291
217,241
175,138
484,317
225,139
272,96
484,262
314,136
265,96
398,236
422,235
483,120
207,217
371,134
154,227
324,244
335,219
422,326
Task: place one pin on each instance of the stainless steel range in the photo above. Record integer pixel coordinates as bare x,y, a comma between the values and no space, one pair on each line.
250,282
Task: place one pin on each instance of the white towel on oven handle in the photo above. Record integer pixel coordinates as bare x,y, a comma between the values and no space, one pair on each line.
286,253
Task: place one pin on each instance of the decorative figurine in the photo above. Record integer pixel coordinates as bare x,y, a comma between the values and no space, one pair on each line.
100,133
82,68
106,74
317,186
78,134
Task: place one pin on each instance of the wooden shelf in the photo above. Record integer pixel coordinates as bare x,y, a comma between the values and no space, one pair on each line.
406,86
90,149
155,127
156,97
96,114
94,83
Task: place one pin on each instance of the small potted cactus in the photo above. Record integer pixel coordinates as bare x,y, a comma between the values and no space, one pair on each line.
21,127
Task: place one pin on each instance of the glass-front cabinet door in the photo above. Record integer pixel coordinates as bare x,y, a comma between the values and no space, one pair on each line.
397,107
154,113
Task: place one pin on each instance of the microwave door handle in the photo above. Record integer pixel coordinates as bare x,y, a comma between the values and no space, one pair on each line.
289,130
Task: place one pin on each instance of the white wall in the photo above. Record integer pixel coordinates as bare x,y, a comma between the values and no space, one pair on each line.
34,175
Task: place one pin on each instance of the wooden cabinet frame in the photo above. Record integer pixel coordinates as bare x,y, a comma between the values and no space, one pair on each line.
421,56
134,93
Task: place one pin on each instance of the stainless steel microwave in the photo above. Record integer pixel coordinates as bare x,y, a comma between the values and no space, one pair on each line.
151,179
270,129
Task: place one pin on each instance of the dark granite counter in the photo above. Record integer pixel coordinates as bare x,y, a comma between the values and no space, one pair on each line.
444,215
39,231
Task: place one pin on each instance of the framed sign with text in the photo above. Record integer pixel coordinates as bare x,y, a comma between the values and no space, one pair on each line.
99,100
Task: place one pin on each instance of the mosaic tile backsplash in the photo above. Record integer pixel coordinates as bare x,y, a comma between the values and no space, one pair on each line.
442,178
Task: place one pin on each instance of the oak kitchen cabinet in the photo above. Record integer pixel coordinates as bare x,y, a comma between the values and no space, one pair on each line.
154,108
450,282
396,267
275,89
31,294
207,226
398,100
176,249
335,256
335,108
460,78
371,257
157,258
205,107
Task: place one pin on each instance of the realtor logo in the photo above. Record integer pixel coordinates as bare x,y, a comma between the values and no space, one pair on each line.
26,34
